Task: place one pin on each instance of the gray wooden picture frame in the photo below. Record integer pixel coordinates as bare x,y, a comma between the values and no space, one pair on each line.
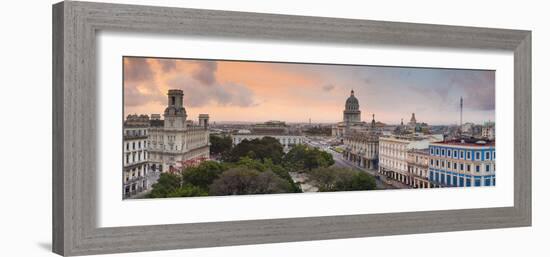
75,25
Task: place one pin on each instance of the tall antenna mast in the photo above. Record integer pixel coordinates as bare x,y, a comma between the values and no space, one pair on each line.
461,104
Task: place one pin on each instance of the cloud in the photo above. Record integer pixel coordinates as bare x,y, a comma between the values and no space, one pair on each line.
137,69
206,72
281,89
167,65
328,87
200,94
444,87
134,97
477,96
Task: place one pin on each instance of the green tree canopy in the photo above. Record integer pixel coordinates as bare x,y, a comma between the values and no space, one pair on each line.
241,181
362,181
267,165
203,175
187,191
166,184
330,179
220,145
302,157
258,149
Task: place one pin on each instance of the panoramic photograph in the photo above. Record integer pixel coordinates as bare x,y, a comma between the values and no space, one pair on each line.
197,127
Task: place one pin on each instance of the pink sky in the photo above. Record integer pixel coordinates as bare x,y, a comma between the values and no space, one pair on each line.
260,91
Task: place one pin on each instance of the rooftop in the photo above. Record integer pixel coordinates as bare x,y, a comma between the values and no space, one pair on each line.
412,137
175,91
157,123
363,136
468,142
420,151
271,123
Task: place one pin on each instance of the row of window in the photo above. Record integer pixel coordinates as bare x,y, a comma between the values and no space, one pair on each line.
136,132
135,156
133,175
356,143
393,152
361,147
158,135
454,180
135,172
370,150
461,166
419,160
462,154
389,146
394,164
133,145
419,172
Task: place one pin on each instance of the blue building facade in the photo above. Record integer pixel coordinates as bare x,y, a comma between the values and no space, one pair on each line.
462,164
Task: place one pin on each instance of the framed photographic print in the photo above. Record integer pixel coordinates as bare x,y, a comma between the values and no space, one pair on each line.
183,128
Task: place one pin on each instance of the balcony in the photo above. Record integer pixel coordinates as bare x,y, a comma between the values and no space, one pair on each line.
134,179
131,165
134,137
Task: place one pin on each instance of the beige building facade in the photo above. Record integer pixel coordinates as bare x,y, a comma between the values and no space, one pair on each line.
393,152
418,167
361,148
175,141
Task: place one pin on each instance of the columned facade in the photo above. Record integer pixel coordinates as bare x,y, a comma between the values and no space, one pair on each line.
393,152
393,159
135,155
361,148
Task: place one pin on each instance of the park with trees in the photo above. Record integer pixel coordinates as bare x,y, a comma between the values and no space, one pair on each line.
259,166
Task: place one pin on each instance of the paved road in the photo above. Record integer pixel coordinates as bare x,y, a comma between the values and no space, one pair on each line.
152,178
382,180
341,162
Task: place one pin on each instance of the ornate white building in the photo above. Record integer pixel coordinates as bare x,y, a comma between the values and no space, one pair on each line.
361,146
135,158
276,129
362,149
393,151
175,141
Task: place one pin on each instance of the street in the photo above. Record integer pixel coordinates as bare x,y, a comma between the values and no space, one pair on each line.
341,162
152,178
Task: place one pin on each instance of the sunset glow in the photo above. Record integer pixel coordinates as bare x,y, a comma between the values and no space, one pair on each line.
260,91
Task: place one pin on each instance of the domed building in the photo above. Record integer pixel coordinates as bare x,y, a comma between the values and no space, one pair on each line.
360,138
352,114
351,118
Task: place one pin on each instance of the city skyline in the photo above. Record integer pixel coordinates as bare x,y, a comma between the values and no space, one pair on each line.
259,91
